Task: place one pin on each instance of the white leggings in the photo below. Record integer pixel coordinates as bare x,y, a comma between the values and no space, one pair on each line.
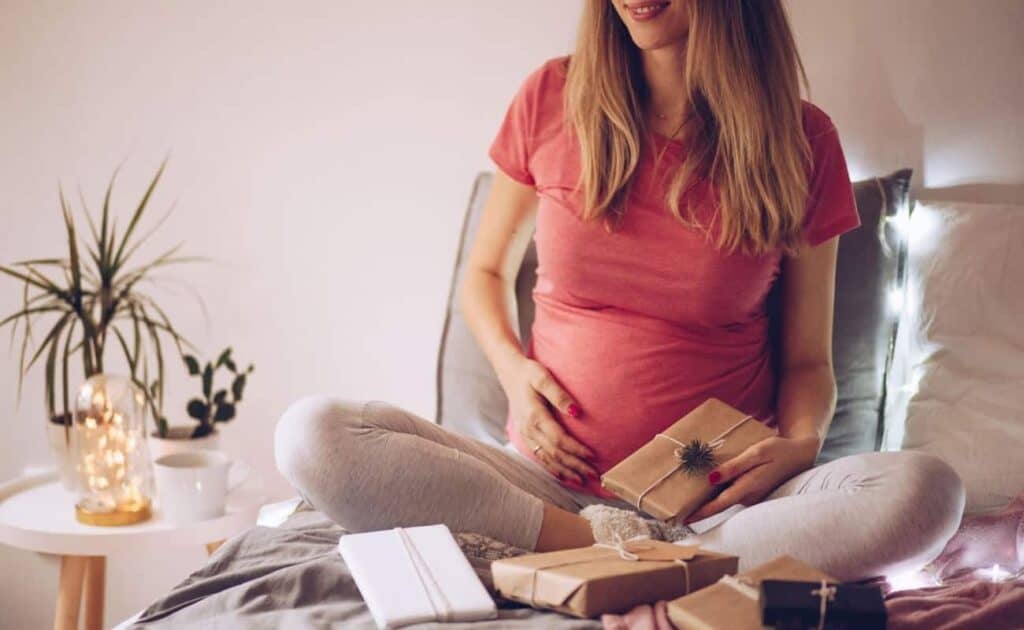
372,466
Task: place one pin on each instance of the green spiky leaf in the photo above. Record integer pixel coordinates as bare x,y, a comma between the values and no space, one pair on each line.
65,375
75,266
49,339
32,279
145,237
154,336
238,387
53,343
105,237
118,259
27,312
192,364
207,380
128,355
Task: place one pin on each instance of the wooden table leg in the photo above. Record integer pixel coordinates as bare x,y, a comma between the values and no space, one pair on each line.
95,591
213,546
69,595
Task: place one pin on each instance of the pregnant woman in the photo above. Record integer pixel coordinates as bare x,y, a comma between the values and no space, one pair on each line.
675,177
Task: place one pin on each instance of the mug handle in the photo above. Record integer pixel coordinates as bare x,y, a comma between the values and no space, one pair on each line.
238,472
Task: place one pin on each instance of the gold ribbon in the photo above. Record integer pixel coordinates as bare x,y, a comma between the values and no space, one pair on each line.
716,443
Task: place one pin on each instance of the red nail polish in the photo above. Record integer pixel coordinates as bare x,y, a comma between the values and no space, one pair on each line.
574,410
714,477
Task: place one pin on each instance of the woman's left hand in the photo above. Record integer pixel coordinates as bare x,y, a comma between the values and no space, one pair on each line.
756,472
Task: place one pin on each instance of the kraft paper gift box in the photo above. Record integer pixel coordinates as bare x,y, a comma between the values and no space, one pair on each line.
413,575
654,479
810,604
601,579
734,603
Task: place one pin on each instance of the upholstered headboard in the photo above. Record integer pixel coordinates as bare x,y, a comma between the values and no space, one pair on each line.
471,401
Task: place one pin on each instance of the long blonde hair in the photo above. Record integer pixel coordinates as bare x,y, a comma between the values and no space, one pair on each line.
744,133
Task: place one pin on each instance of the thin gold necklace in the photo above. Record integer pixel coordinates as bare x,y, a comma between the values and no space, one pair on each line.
679,128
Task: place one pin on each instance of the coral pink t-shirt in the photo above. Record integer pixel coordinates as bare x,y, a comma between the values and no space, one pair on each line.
643,324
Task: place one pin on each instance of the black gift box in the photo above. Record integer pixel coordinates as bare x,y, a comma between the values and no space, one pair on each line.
793,605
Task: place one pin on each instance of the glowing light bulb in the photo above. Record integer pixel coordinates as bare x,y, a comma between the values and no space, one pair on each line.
912,580
895,298
994,574
900,222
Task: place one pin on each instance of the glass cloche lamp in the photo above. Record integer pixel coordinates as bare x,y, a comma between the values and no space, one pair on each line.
115,479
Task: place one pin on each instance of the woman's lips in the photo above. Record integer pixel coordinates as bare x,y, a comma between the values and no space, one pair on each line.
646,10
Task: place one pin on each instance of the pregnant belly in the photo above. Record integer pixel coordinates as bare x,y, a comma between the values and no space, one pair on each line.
633,377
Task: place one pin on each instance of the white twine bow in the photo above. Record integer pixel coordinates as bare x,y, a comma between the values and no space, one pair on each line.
620,546
443,610
826,593
716,443
741,585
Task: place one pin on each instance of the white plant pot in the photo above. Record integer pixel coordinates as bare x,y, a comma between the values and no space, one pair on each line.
178,441
59,438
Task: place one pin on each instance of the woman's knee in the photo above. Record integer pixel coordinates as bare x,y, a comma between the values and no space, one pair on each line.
313,433
933,494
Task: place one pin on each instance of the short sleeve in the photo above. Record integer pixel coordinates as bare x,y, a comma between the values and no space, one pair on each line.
511,148
831,205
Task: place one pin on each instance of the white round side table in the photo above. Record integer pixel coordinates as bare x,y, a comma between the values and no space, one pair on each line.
37,514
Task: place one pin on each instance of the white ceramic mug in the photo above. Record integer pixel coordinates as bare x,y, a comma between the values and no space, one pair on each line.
193,486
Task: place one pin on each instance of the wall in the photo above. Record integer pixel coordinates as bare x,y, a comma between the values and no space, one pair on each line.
931,84
321,153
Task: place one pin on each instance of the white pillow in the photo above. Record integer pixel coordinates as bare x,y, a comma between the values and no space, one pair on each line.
956,389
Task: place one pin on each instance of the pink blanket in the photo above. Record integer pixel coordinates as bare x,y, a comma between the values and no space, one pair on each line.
967,604
965,601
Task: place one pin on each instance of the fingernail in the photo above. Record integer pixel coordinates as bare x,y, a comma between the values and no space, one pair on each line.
574,410
714,477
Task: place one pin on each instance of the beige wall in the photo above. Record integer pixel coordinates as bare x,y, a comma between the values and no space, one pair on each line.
931,84
322,152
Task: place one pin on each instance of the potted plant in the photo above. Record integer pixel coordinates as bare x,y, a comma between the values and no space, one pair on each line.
88,300
211,407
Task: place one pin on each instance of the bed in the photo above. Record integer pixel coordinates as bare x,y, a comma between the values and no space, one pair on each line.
289,574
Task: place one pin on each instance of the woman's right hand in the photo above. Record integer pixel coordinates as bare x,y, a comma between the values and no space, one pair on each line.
532,392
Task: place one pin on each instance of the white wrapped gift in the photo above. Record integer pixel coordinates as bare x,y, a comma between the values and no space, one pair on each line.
413,575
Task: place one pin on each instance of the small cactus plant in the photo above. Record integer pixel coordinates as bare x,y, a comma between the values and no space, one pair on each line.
220,405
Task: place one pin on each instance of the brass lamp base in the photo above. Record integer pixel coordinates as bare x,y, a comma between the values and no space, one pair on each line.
121,515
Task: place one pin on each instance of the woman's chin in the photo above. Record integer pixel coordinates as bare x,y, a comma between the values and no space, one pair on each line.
657,41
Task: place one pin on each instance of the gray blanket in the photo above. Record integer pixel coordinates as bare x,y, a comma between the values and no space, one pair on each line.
293,577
